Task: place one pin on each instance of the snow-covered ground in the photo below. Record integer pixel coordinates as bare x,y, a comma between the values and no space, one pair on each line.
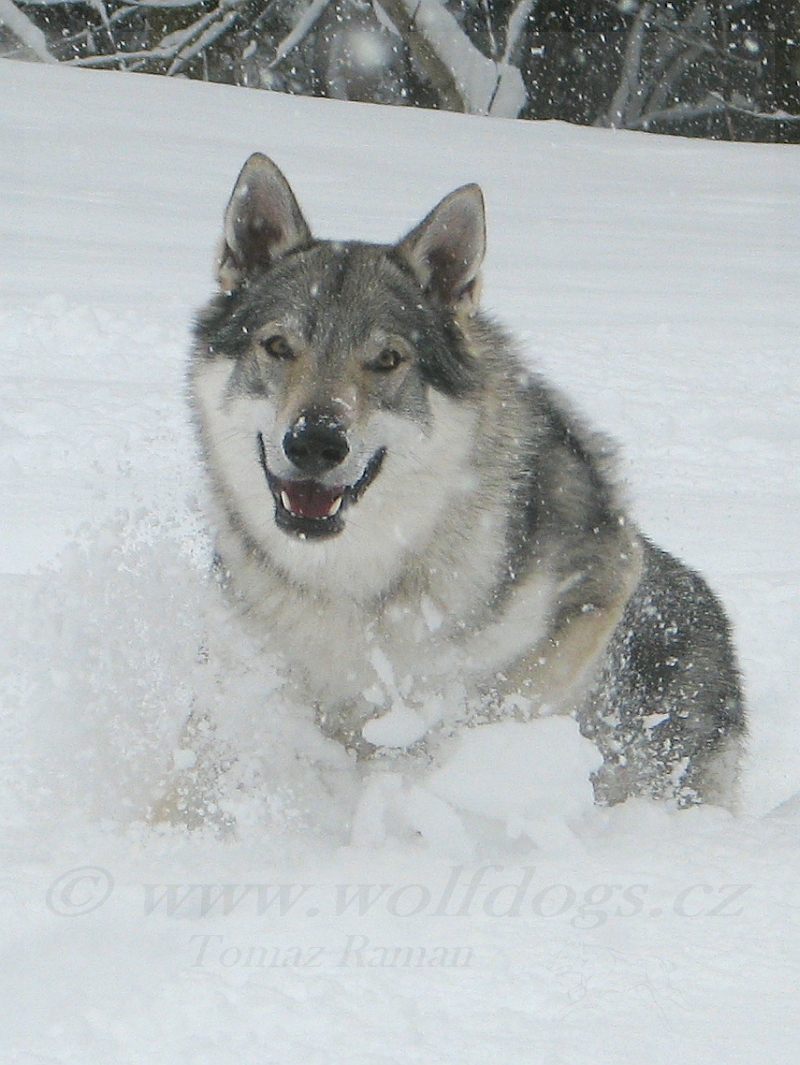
502,919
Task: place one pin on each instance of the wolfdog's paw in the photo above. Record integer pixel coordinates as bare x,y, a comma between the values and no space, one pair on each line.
192,796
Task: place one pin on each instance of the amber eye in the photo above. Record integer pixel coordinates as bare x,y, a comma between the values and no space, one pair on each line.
278,347
389,359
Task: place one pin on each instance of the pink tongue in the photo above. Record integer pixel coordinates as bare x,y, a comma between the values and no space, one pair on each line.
308,499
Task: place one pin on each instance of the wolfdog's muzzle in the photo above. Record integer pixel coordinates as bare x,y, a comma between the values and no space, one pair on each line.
315,445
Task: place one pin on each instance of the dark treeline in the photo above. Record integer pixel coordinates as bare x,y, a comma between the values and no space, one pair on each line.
724,70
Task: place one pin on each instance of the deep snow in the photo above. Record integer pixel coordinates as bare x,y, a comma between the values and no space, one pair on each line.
501,917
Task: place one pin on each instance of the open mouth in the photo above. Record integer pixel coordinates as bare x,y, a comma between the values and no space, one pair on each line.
308,508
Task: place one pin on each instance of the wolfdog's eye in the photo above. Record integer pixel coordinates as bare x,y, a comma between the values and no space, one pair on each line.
278,347
389,359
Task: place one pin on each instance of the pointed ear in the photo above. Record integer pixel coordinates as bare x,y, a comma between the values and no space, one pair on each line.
262,222
446,249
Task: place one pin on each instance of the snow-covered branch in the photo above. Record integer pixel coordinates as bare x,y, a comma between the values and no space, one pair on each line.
515,30
454,65
27,32
300,30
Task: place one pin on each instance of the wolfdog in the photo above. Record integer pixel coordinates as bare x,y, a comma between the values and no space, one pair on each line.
422,526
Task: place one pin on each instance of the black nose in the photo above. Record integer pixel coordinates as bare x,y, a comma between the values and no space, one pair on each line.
316,444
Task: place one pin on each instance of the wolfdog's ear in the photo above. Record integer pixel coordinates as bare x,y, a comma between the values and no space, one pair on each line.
446,249
262,222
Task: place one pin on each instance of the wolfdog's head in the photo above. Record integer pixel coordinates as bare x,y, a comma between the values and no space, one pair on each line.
319,366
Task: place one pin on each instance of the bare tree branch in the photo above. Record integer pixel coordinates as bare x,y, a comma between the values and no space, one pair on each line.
630,85
204,32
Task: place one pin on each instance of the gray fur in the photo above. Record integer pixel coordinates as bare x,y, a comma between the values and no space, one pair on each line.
398,500
667,710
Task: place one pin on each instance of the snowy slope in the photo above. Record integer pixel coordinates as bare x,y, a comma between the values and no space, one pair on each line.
656,280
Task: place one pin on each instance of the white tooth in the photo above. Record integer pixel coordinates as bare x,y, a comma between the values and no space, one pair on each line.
335,507
287,504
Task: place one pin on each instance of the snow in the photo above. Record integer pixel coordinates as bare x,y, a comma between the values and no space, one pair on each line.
480,911
508,771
